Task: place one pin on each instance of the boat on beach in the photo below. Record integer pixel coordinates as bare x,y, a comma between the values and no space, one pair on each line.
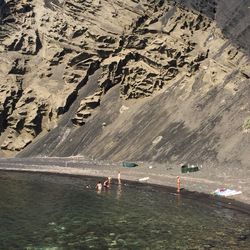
129,164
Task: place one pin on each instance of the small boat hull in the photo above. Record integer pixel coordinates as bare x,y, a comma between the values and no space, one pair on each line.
129,164
188,169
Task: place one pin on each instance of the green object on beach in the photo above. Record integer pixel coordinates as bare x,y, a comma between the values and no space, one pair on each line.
129,164
184,169
188,169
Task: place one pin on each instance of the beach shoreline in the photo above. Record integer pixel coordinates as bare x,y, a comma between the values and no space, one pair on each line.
203,182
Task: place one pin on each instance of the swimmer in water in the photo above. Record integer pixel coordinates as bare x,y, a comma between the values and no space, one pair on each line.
99,186
106,183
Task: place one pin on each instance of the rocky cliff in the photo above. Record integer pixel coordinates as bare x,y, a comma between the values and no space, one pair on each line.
164,81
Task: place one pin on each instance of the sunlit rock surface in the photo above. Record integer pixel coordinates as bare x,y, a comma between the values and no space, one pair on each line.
105,79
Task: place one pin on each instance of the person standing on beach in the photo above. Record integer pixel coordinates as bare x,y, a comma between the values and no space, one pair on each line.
178,184
119,178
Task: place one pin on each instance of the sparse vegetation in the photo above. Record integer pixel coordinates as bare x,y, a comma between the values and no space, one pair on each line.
246,124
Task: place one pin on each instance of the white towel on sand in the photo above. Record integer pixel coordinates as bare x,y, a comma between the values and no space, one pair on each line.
226,192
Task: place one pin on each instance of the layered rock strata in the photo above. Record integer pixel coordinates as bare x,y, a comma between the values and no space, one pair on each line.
179,67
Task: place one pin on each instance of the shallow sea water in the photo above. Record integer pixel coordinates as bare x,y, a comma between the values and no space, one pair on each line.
56,212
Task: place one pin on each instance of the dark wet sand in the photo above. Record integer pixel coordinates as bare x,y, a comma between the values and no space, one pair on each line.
198,185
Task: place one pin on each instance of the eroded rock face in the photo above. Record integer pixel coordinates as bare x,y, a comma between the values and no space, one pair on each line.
70,56
86,106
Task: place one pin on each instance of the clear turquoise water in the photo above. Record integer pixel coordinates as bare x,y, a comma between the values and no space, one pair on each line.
54,212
